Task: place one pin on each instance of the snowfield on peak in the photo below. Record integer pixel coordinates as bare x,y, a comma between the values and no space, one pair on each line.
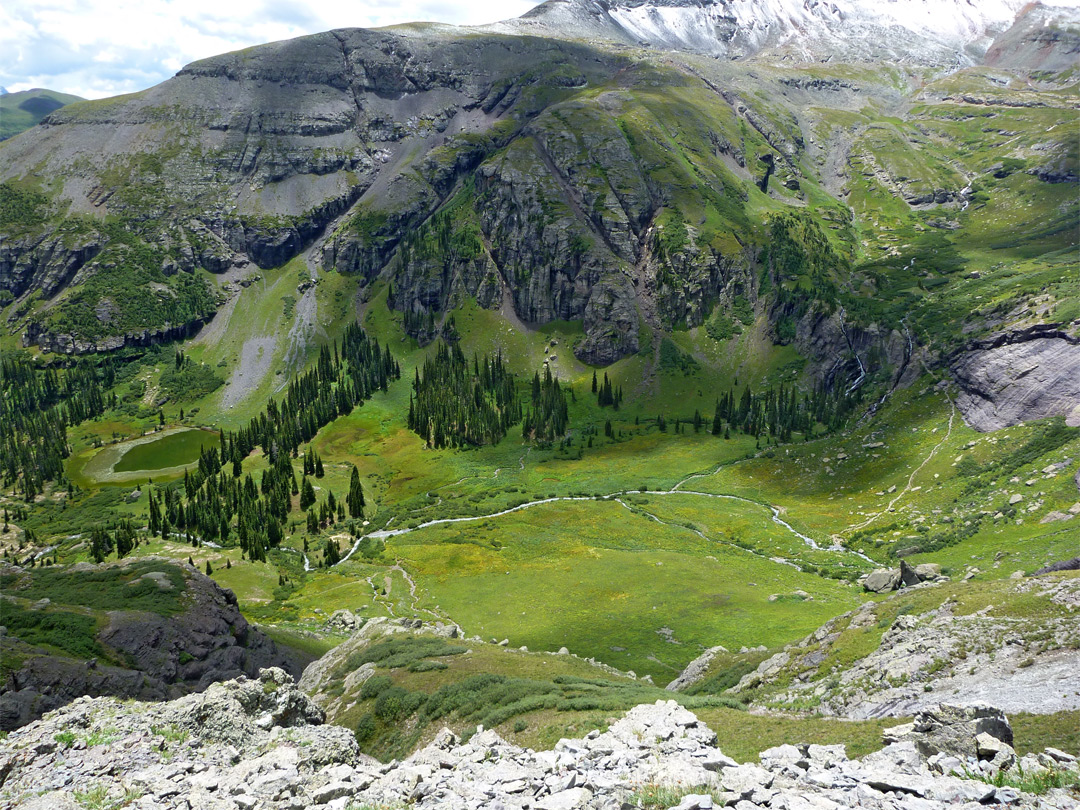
953,32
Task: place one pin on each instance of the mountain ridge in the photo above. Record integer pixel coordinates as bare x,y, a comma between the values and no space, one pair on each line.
954,34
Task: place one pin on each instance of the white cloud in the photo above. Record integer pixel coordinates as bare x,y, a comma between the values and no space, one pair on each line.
98,48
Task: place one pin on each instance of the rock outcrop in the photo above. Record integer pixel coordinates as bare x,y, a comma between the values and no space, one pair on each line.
694,671
261,745
1017,376
937,656
1072,564
953,730
153,656
883,580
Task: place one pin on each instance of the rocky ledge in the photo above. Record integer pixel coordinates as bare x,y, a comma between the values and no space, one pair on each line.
254,744
148,656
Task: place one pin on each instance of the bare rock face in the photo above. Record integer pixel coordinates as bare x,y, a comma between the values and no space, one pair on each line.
1019,376
926,659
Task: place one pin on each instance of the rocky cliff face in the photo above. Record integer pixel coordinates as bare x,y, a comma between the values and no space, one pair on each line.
1016,376
150,656
260,744
559,176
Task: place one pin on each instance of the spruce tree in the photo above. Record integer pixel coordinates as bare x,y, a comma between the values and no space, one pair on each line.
307,495
355,498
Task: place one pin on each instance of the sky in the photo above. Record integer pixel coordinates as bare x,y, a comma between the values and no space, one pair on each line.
99,48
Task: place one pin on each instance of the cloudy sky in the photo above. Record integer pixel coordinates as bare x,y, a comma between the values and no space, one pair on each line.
98,48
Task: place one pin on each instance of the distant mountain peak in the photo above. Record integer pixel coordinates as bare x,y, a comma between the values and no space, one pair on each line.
945,32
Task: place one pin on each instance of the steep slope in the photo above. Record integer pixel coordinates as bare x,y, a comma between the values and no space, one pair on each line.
561,181
1041,39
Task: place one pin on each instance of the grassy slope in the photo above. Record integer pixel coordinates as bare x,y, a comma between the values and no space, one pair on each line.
22,110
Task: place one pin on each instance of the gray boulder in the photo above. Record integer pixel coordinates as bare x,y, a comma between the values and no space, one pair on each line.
908,575
928,571
960,731
882,580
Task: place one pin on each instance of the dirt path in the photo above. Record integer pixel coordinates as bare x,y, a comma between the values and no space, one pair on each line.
911,478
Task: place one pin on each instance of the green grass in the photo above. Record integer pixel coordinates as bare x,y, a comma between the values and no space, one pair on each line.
660,797
117,587
70,633
1033,733
1037,783
595,578
479,684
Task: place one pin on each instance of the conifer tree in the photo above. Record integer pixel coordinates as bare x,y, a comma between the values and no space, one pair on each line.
307,495
355,498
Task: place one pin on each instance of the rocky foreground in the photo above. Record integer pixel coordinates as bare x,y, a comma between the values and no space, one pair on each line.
259,743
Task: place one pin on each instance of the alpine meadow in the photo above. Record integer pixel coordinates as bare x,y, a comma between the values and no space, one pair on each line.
634,404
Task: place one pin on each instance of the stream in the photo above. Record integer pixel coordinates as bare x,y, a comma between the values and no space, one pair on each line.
385,534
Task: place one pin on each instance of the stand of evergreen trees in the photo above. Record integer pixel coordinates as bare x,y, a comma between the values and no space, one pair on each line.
548,418
217,494
460,404
337,384
37,406
781,411
606,394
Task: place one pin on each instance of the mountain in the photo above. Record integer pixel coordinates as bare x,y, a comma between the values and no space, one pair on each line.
23,110
953,33
774,327
580,193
